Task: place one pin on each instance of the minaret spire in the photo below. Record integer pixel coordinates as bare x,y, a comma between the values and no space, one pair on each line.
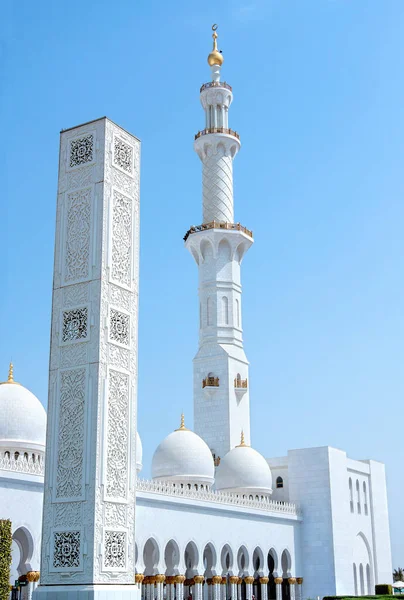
221,406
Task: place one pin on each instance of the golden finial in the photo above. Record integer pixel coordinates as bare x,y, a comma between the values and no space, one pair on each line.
182,425
10,375
242,443
215,57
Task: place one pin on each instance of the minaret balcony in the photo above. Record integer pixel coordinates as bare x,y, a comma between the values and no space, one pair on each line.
210,385
217,130
218,225
212,84
240,386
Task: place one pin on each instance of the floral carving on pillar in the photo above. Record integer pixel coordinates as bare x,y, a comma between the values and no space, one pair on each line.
117,435
121,239
77,235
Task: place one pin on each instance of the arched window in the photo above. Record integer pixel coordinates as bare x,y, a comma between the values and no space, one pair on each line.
26,456
351,501
33,458
368,579
362,579
16,455
358,500
7,454
365,498
225,310
279,483
237,313
209,311
355,580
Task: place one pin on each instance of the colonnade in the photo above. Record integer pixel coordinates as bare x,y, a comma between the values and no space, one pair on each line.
177,587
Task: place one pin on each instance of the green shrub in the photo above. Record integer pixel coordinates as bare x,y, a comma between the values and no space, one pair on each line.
5,558
384,589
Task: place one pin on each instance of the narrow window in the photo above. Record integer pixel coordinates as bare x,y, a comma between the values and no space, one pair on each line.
225,310
209,310
16,455
362,579
279,482
368,579
238,313
351,501
358,499
355,579
365,498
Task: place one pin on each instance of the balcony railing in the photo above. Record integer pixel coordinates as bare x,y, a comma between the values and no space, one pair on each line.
240,383
217,130
218,225
211,84
210,382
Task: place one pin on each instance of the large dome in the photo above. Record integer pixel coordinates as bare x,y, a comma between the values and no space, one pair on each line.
243,470
183,457
23,418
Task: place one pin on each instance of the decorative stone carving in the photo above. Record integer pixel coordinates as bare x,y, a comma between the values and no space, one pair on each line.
66,549
75,325
117,435
115,514
121,238
264,580
68,514
278,580
81,151
69,477
77,235
74,355
119,327
123,155
74,295
115,550
119,357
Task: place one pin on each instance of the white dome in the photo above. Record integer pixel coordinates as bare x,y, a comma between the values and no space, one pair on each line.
23,418
183,457
244,470
139,453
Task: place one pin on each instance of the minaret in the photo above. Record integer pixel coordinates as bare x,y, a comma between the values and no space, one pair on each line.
221,398
88,548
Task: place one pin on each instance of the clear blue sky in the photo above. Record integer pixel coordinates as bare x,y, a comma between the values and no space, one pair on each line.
319,104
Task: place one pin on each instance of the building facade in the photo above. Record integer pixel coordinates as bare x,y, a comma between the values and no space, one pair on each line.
217,520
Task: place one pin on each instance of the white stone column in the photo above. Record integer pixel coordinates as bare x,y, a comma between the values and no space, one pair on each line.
292,585
299,588
249,580
150,588
223,588
216,583
160,586
139,577
264,587
93,370
233,587
239,582
278,583
179,587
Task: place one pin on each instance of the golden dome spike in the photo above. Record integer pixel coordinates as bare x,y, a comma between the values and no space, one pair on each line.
242,443
10,375
182,425
215,57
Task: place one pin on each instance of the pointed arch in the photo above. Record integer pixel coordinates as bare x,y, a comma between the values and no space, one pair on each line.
225,310
172,557
151,556
227,560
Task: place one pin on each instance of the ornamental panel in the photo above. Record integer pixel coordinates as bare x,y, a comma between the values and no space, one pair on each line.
66,549
77,235
115,550
75,325
119,327
81,151
70,453
121,239
117,435
123,155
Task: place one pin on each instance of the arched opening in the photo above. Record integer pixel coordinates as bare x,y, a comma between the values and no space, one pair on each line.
358,497
272,573
362,580
286,565
172,558
225,310
351,500
151,556
355,580
22,551
209,561
259,567
279,483
191,557
365,498
226,561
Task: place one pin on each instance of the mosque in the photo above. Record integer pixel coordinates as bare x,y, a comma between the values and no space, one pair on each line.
217,520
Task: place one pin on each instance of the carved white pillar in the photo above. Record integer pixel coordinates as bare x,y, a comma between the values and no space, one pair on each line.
179,587
216,584
239,582
223,588
198,579
299,588
264,587
278,584
160,586
249,580
233,587
90,470
292,585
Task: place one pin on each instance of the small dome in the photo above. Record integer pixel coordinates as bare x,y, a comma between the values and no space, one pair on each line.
139,453
23,418
183,457
215,57
244,470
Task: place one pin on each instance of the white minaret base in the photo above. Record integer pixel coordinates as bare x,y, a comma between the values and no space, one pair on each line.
88,592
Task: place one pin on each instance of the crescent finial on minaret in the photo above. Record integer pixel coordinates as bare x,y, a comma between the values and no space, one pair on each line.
215,57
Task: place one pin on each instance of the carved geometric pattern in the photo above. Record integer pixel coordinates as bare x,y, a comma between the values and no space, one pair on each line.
81,151
121,238
217,181
74,295
74,355
75,324
119,327
117,435
123,155
115,514
78,226
115,549
66,549
68,514
119,357
71,434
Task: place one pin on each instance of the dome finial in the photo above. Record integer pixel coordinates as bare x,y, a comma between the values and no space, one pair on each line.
242,443
10,373
215,57
182,425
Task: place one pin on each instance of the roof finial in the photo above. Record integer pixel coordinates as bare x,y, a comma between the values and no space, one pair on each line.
242,443
10,373
182,425
215,57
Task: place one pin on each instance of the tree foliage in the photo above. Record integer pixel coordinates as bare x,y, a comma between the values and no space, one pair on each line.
398,574
5,558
